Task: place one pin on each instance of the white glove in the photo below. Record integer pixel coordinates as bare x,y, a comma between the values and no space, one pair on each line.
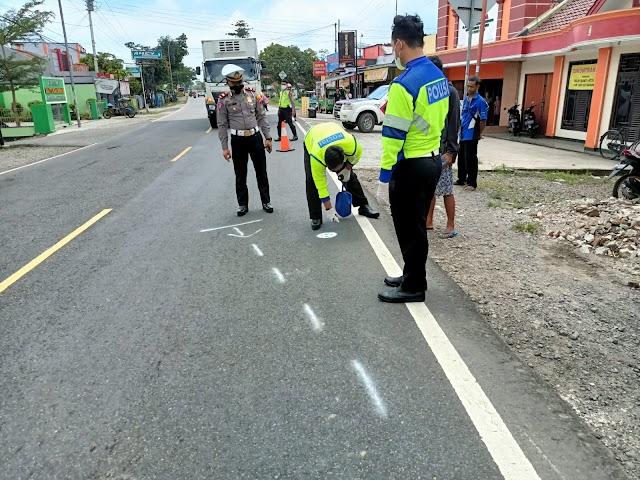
331,215
383,192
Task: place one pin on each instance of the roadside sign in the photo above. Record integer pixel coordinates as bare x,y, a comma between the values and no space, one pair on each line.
146,54
464,7
134,71
282,75
53,90
319,69
333,62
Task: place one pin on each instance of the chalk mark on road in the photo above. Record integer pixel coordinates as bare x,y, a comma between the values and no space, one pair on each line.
313,318
278,275
229,226
257,250
242,235
370,387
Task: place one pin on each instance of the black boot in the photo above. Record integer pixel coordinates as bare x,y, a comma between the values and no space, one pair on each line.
316,224
367,211
243,210
397,295
267,207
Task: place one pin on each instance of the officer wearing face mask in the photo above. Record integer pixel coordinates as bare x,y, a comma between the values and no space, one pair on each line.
241,115
327,145
410,168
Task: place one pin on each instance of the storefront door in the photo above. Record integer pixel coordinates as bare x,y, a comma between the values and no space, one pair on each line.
537,89
626,105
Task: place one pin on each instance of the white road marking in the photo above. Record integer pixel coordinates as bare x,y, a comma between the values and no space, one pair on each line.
170,114
371,388
47,159
238,230
313,318
228,226
503,448
327,235
257,250
278,275
209,130
243,235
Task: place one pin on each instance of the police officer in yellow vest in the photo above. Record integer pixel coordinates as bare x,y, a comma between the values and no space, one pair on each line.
417,107
286,108
241,115
327,145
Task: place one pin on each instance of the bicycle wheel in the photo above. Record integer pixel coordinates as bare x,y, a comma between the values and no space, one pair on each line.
611,144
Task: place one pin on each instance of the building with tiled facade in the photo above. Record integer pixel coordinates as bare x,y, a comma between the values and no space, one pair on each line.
578,60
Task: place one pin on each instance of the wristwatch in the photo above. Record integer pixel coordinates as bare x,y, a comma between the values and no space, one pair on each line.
269,139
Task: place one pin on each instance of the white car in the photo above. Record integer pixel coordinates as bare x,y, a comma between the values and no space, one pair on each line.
365,113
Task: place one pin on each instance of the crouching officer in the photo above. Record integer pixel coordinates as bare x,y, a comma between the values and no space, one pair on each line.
241,115
327,145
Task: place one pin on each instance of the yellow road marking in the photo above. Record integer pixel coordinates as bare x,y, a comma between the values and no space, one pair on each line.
50,251
209,131
182,154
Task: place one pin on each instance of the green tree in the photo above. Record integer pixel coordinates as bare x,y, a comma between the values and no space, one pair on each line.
242,30
184,76
297,64
107,63
21,25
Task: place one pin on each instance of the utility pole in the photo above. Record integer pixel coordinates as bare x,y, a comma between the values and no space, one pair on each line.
396,7
144,92
69,60
93,40
335,25
481,36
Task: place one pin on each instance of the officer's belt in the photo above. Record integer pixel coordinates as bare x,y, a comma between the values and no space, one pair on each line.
244,133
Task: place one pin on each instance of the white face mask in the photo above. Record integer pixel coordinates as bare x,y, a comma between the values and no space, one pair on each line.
399,65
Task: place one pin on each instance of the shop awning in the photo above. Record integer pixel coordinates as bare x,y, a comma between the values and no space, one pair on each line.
376,75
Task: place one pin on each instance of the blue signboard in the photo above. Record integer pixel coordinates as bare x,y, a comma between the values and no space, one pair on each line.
333,62
146,54
134,71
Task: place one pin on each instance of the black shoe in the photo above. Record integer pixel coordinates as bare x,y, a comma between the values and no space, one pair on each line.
243,210
393,281
267,207
397,281
367,211
397,295
316,224
294,138
277,139
459,182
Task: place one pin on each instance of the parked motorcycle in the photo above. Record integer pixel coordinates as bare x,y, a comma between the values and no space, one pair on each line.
122,108
628,185
514,120
530,123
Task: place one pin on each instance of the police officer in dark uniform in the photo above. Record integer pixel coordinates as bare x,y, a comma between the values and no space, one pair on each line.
242,116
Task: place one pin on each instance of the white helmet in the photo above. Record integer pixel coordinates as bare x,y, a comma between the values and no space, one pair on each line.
232,72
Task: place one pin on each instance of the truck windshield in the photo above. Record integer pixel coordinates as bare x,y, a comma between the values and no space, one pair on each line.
379,92
213,69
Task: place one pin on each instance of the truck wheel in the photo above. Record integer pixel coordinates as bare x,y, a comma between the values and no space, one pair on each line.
349,125
213,121
366,122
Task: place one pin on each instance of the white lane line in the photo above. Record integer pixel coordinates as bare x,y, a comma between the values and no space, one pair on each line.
170,114
278,275
47,159
503,448
371,388
257,250
313,318
228,226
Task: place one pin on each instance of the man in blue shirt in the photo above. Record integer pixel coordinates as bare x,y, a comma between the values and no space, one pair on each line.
474,119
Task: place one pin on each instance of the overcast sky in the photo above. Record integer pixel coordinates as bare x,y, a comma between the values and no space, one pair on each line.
305,23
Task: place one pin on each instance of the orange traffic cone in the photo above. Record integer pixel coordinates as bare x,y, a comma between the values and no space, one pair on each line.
284,141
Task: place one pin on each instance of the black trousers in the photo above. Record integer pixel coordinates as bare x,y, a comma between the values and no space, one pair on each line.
284,115
313,199
241,148
413,184
468,163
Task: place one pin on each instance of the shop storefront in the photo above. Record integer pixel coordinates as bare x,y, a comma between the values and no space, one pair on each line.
374,78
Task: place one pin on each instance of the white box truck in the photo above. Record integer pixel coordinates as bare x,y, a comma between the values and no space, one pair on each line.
218,53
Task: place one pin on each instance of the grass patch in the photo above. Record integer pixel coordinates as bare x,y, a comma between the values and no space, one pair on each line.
503,170
494,204
526,227
568,177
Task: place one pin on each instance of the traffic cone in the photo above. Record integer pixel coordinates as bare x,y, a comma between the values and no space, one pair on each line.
284,140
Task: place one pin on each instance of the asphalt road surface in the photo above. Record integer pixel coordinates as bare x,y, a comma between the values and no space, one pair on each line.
162,340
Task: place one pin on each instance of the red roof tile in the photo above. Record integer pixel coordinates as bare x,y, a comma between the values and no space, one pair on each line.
566,14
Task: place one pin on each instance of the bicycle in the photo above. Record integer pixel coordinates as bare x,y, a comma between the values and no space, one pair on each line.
613,142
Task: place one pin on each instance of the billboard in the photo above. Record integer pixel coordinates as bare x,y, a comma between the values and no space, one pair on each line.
319,69
333,62
347,46
582,77
146,54
53,90
490,29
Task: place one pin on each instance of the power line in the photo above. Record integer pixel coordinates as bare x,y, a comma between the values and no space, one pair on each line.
114,15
